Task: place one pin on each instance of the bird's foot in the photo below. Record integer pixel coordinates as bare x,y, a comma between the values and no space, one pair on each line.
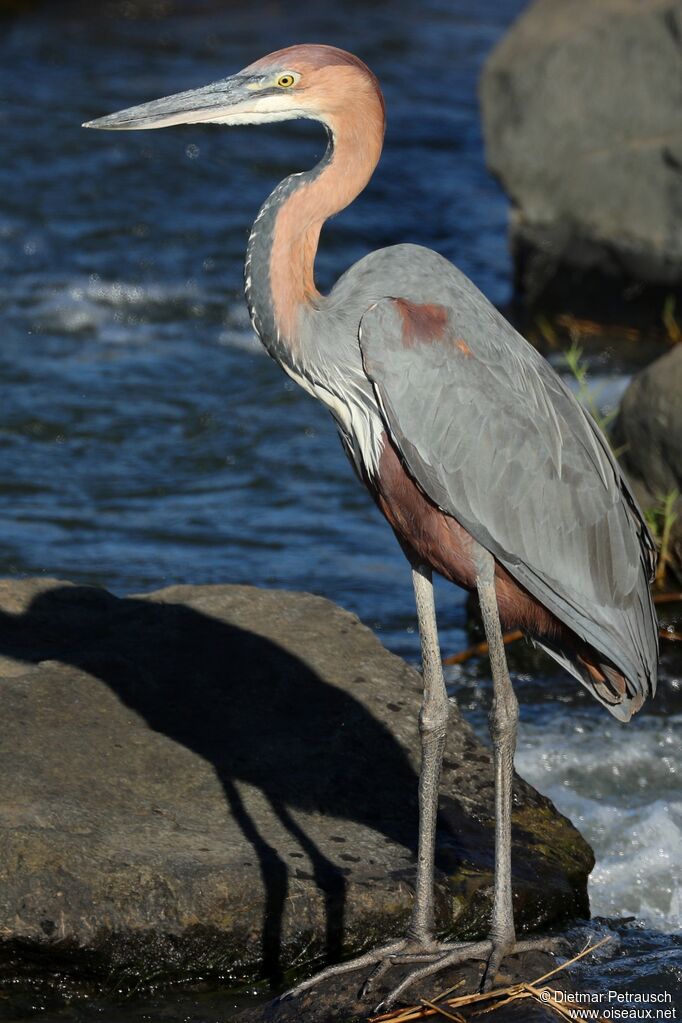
451,954
428,957
369,960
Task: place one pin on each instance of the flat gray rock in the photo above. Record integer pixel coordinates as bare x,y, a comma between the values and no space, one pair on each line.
581,112
221,780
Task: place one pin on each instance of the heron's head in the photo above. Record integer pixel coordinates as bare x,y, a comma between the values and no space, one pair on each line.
313,81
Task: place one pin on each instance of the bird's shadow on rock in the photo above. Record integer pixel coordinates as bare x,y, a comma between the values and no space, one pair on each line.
252,709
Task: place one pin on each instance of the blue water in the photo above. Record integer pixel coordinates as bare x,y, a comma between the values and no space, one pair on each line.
146,439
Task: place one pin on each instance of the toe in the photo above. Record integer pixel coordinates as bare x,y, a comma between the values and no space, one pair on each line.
374,977
499,950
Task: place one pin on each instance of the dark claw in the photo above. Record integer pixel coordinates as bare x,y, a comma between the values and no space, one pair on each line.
488,980
365,989
378,971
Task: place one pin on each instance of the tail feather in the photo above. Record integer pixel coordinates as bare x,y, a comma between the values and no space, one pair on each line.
604,681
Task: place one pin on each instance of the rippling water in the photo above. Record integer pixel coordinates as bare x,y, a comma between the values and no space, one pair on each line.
145,437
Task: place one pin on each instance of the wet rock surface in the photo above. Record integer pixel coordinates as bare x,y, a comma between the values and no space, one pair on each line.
221,780
338,1000
580,106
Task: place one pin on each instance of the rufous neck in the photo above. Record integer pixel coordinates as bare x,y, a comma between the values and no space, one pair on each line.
279,273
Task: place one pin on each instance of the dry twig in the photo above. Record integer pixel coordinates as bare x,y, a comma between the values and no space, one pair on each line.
481,649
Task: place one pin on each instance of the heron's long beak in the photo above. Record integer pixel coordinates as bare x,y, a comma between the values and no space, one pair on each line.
230,101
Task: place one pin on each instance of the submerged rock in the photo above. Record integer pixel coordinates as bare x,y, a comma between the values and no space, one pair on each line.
221,780
581,116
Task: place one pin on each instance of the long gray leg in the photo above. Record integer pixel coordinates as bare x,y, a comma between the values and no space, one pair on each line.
503,725
420,946
433,721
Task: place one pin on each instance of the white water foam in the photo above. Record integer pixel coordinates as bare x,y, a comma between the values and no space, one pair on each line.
621,786
93,305
119,312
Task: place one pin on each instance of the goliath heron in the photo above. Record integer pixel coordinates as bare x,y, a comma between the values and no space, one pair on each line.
485,465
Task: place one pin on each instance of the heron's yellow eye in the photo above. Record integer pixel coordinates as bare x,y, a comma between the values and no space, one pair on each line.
285,81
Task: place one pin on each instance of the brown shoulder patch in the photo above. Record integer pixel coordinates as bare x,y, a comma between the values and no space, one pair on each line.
462,346
421,323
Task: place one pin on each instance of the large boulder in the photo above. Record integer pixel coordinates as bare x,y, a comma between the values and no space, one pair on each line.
648,432
222,780
582,119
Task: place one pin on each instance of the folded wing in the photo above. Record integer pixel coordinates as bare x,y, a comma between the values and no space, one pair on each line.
493,437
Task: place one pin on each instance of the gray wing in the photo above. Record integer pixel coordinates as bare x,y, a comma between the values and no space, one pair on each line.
492,435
